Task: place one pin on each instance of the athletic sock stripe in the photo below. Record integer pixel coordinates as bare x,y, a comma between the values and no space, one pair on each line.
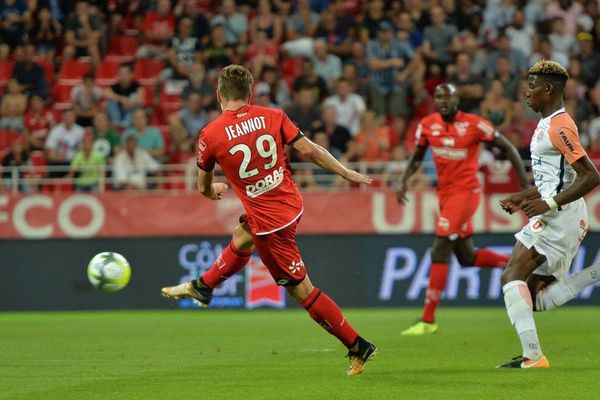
307,307
238,252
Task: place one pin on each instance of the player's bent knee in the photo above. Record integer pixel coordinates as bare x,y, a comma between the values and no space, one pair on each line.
441,249
242,238
508,275
299,290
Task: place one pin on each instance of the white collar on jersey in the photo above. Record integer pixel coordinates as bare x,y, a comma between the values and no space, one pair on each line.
555,113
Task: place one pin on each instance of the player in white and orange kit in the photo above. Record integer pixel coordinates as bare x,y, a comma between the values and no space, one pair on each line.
454,138
248,142
534,278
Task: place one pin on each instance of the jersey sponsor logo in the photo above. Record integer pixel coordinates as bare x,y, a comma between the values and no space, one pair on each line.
435,133
436,127
461,127
566,140
245,127
265,184
450,154
448,141
443,223
201,145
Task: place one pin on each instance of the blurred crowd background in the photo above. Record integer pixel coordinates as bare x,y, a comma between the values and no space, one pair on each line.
113,91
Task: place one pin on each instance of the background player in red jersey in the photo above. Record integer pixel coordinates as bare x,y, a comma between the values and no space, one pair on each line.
248,142
454,137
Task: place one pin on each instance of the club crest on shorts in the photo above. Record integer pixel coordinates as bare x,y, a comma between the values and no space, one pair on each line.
296,266
537,225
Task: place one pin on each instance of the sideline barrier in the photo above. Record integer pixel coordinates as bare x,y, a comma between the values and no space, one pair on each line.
355,270
118,214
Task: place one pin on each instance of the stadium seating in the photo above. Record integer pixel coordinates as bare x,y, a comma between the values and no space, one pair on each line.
62,96
169,103
122,48
107,72
48,68
291,69
6,139
148,96
72,72
37,160
6,68
146,71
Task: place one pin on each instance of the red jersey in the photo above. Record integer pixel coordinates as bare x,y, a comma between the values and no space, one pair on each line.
248,144
39,126
156,23
455,147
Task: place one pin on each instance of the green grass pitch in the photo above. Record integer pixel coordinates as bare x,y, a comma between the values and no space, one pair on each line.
215,354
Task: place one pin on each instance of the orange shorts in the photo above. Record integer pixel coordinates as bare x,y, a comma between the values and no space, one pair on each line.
456,212
279,252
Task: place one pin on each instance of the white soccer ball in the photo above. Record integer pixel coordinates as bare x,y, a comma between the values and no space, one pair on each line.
109,271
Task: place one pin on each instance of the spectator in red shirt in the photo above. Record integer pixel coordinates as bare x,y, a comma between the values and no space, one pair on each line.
126,14
373,140
262,52
158,28
38,121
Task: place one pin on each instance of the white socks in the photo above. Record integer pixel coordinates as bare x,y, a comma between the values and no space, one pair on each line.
565,289
520,312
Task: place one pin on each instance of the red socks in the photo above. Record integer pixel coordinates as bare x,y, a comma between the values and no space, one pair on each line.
438,275
326,313
230,261
485,258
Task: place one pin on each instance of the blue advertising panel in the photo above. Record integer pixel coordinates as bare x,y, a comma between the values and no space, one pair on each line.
355,270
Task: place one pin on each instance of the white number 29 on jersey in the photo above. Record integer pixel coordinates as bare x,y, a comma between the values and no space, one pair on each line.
267,149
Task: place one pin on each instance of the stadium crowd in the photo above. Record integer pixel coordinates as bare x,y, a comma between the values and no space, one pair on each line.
130,83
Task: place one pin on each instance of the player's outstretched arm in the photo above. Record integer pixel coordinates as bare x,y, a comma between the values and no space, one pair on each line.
587,180
325,160
208,188
414,163
513,155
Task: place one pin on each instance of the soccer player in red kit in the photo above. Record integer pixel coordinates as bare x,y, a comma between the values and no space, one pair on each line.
248,141
454,138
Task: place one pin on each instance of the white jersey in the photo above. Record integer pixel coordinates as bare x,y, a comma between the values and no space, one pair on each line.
557,233
554,142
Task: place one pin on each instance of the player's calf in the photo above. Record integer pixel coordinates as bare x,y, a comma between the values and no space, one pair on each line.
567,288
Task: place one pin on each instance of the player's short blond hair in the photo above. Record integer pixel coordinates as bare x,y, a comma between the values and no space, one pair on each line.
235,83
550,69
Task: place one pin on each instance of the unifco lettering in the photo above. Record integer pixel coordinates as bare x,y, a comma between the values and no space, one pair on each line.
245,127
265,184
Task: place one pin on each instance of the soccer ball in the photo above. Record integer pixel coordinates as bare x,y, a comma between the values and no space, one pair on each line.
109,271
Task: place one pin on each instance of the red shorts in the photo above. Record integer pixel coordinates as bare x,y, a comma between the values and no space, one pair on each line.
456,211
279,252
